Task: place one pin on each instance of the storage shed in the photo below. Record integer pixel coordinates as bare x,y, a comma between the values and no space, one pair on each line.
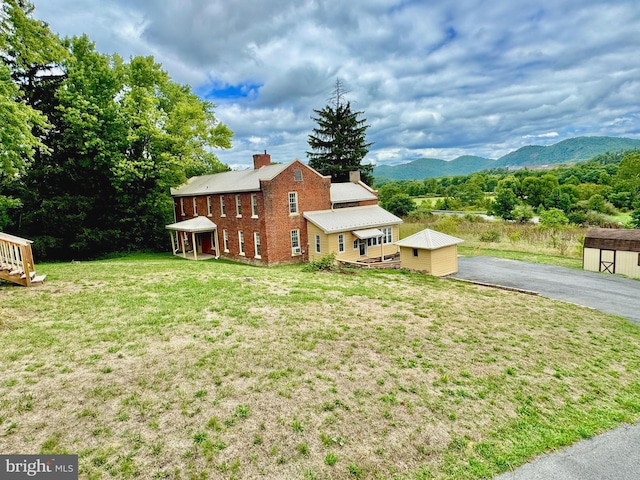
430,252
612,250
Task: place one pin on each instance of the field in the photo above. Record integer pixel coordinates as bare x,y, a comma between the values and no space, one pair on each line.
151,366
529,242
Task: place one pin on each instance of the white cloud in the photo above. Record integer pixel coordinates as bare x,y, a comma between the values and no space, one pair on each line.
437,79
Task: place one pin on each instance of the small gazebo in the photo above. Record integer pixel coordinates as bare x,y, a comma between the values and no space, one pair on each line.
430,252
193,237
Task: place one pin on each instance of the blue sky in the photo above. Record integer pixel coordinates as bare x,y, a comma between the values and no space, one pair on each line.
434,78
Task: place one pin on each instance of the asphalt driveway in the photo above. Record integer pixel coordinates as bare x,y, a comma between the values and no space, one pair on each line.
607,293
614,454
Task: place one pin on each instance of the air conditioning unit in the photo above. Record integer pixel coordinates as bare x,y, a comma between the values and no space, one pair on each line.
296,251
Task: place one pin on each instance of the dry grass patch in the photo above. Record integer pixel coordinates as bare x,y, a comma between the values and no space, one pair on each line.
157,367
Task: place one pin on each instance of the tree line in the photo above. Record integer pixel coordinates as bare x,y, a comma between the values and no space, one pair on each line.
90,144
587,193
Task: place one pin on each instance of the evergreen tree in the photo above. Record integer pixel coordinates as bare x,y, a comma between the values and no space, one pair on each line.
338,144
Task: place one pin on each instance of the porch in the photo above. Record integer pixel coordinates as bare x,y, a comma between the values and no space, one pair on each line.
194,239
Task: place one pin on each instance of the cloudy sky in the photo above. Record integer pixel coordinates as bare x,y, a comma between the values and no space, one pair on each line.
434,78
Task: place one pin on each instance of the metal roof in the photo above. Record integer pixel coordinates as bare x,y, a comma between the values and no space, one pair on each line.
350,192
429,240
613,239
368,233
228,182
196,224
353,218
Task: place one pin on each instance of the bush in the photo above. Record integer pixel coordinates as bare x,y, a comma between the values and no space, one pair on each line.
490,236
326,263
553,217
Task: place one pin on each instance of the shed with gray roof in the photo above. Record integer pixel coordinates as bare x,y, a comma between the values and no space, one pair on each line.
431,252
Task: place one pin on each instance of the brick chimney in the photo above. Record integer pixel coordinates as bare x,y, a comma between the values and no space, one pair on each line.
354,177
261,160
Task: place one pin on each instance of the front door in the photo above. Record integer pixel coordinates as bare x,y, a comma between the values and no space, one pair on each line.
608,261
363,247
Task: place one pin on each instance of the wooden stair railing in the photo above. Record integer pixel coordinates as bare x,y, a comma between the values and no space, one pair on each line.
16,261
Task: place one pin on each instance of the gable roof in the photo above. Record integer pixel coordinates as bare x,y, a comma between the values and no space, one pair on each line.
229,182
350,192
353,218
428,240
613,239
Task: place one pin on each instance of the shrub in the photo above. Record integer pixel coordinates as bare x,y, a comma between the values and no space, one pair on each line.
326,263
490,236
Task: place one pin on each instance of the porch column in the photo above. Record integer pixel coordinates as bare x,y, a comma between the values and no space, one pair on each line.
193,244
184,252
173,243
216,244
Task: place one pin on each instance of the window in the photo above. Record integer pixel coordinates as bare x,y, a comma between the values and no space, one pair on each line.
254,205
341,243
225,239
297,175
238,206
372,242
256,243
223,208
195,207
295,242
639,259
355,244
241,242
317,243
293,203
387,235
182,206
209,206
415,252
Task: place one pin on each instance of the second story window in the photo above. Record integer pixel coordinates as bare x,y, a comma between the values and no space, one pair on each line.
238,206
254,205
209,206
223,208
293,203
195,207
182,207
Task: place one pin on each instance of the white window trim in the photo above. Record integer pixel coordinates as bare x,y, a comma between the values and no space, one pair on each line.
318,247
341,243
225,240
238,207
295,250
256,243
223,207
254,205
295,203
195,207
182,212
209,209
241,243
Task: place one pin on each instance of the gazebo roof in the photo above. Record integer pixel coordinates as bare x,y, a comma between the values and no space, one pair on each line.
194,225
429,240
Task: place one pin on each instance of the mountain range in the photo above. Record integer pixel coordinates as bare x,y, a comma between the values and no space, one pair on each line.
567,151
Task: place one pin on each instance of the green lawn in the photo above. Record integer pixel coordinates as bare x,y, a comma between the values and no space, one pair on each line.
152,366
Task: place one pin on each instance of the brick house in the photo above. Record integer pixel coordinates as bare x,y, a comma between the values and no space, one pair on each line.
258,215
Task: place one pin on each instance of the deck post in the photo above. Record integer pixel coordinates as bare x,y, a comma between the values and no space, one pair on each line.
173,244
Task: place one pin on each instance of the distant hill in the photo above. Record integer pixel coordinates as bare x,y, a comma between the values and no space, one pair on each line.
433,167
570,150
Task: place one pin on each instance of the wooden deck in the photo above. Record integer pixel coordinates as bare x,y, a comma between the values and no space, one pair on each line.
16,261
